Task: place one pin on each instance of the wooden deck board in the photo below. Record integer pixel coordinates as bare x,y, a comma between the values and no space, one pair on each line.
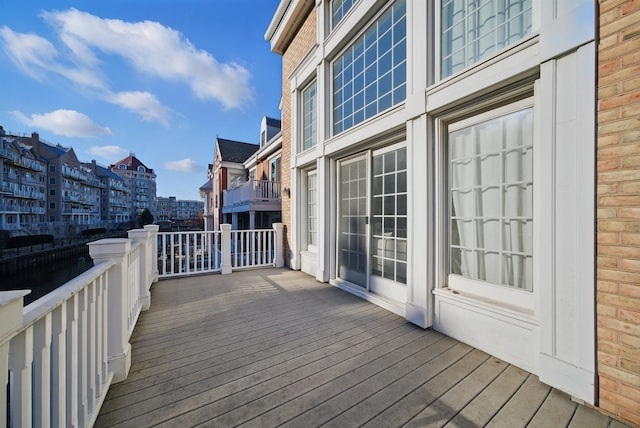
275,347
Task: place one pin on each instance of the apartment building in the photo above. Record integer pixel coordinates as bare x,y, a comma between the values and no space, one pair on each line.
142,182
171,208
440,159
115,197
73,191
23,177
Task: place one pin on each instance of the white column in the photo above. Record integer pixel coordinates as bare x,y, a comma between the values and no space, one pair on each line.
11,313
234,221
279,241
324,210
225,266
118,346
252,220
142,236
153,228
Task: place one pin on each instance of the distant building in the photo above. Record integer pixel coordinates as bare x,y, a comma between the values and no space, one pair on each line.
115,199
23,182
170,209
73,190
227,171
142,182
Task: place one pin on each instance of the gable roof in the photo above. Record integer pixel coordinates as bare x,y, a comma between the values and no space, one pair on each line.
132,163
235,151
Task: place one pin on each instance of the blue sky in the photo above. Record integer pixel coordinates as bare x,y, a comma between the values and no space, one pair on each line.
159,78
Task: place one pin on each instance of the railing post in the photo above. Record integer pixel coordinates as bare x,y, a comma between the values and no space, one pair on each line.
225,236
118,346
142,235
153,228
279,242
11,315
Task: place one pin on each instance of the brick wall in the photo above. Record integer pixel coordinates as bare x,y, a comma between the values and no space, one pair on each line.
295,52
618,190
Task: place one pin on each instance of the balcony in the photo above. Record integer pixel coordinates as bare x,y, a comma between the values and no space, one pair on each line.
263,348
252,195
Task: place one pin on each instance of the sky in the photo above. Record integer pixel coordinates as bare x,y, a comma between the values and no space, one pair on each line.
157,78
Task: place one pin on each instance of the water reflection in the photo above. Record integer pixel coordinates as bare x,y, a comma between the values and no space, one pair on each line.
43,279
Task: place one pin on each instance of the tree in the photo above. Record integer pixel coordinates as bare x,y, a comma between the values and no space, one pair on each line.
145,217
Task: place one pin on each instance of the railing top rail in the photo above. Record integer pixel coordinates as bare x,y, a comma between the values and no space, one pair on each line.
42,306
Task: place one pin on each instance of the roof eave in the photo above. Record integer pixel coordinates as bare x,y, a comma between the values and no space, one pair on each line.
284,25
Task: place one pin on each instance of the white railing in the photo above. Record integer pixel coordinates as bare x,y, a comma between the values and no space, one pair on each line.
252,191
60,354
252,248
188,253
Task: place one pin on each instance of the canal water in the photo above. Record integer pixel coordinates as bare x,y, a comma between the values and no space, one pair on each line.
43,279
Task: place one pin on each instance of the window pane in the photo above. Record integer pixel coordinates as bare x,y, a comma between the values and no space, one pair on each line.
472,31
389,219
384,64
309,119
339,9
312,209
491,200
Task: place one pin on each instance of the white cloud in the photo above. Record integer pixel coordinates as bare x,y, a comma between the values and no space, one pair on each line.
154,50
108,153
145,104
183,165
69,123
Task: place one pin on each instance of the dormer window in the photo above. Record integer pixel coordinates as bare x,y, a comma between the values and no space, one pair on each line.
141,169
122,166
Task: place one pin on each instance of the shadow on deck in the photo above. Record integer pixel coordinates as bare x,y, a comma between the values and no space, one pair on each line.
275,347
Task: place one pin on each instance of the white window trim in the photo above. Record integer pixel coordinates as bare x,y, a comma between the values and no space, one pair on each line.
301,112
481,289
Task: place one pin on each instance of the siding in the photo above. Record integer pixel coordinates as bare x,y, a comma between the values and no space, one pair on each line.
618,203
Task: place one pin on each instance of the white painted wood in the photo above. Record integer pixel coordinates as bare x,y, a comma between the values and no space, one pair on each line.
42,336
566,24
72,361
20,360
10,321
505,333
567,307
59,385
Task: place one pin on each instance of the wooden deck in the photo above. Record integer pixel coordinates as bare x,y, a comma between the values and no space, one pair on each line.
274,347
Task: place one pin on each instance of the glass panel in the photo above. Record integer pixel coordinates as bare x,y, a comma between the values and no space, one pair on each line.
491,200
475,30
384,64
352,258
309,118
312,209
389,231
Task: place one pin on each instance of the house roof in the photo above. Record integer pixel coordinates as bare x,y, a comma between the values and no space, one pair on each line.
235,151
207,186
132,163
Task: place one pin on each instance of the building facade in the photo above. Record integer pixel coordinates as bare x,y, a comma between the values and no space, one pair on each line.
618,204
116,195
170,208
23,178
142,182
441,159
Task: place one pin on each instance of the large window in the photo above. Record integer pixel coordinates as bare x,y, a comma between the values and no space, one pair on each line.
309,116
312,209
475,29
339,9
370,76
490,160
389,215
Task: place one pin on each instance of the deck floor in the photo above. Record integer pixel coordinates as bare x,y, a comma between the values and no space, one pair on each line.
274,347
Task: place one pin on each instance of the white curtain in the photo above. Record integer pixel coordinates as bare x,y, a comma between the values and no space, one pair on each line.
491,200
